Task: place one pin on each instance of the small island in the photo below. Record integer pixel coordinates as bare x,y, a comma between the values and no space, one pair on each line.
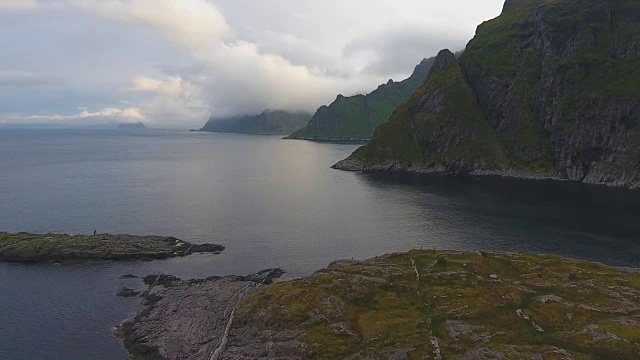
27,247
415,305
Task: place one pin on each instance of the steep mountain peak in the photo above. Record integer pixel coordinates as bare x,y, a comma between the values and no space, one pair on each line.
442,61
356,117
422,69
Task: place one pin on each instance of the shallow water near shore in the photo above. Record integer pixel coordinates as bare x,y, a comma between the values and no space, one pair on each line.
272,202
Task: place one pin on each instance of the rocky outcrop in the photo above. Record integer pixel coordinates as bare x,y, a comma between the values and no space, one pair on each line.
355,118
415,305
188,319
269,122
26,247
555,81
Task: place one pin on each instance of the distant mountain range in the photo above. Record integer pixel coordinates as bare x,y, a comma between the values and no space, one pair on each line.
269,122
549,89
356,117
132,126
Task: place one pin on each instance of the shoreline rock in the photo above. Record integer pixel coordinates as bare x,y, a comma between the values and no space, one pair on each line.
187,319
35,248
126,292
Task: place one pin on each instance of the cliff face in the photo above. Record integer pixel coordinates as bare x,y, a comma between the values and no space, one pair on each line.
270,122
356,117
554,83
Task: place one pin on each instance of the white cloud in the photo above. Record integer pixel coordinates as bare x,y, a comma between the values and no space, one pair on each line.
17,5
84,117
20,78
194,24
172,86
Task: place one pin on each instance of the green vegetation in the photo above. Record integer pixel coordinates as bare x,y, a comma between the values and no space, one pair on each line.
444,304
357,117
440,126
268,123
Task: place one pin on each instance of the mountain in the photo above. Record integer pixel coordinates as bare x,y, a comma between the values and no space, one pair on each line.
356,117
270,122
549,89
132,126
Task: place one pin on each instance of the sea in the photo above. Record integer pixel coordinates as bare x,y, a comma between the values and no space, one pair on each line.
271,202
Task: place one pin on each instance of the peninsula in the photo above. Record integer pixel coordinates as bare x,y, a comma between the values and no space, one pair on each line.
415,305
27,247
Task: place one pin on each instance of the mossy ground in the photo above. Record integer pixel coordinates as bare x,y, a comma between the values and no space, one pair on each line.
430,304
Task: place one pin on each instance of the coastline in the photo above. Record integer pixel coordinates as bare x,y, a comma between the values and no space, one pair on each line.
594,178
329,140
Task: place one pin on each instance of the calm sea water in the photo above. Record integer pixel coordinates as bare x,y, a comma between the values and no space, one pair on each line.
272,202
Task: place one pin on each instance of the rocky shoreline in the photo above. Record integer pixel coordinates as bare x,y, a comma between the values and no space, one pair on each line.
27,247
594,178
420,304
187,319
328,139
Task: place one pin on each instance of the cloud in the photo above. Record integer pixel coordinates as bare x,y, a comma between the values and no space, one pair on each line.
21,78
395,50
178,62
106,115
172,86
17,5
234,75
244,80
195,24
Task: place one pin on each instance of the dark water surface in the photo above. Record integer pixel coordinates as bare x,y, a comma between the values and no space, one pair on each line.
272,202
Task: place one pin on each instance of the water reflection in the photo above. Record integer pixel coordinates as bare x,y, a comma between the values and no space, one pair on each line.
521,215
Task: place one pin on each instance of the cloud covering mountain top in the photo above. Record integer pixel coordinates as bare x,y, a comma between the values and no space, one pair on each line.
175,63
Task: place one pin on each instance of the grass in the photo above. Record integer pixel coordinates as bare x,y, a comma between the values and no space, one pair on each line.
385,308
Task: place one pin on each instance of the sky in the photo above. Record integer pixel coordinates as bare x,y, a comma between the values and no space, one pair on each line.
175,63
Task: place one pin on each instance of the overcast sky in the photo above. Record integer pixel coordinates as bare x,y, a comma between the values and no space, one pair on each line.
173,63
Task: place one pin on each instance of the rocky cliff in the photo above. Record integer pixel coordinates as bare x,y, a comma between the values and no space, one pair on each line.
547,89
356,117
269,122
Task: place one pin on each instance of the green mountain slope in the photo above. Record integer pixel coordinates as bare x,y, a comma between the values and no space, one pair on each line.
550,88
270,122
356,117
